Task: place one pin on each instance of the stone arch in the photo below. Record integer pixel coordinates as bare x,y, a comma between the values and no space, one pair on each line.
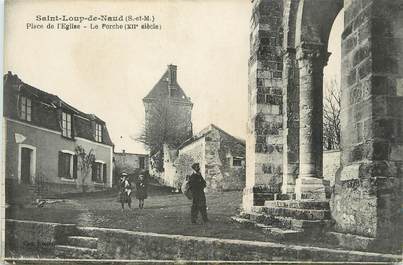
366,198
307,27
307,50
314,22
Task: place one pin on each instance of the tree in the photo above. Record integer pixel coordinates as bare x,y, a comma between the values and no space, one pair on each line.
166,123
331,115
85,162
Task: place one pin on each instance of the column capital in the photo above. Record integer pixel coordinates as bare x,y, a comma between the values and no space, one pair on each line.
316,53
288,50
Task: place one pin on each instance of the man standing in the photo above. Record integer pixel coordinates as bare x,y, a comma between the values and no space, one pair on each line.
197,185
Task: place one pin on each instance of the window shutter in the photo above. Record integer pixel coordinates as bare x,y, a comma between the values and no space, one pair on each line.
94,172
73,127
19,106
59,119
74,166
93,128
104,172
60,165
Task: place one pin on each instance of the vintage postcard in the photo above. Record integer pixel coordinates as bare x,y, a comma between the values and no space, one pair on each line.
263,131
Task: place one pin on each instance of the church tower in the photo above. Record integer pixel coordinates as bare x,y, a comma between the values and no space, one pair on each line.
168,113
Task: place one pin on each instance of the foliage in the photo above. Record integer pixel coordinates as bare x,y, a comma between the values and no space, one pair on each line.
331,116
165,123
84,162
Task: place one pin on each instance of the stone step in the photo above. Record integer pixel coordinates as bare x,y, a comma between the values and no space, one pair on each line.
244,215
305,214
244,222
350,241
272,233
64,251
299,204
87,232
288,222
83,241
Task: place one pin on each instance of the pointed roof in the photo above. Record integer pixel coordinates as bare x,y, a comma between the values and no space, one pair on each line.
207,130
161,89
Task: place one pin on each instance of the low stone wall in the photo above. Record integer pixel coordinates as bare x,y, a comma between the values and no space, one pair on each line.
32,238
331,163
122,244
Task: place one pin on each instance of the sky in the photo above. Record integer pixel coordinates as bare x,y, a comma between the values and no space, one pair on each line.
108,72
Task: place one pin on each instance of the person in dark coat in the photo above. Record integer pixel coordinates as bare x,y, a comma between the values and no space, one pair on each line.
141,189
197,185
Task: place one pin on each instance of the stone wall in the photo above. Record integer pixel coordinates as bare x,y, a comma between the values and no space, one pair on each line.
130,245
233,175
176,113
169,174
213,163
128,162
192,153
367,195
331,164
265,125
215,152
36,238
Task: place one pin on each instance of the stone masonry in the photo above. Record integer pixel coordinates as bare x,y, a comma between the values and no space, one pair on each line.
367,195
265,133
289,42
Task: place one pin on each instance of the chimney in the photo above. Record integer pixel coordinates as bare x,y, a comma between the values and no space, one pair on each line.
172,75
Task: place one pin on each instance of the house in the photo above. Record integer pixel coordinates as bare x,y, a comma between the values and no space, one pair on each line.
129,163
221,157
168,112
41,134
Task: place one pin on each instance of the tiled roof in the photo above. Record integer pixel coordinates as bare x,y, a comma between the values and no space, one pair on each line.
206,131
46,109
161,90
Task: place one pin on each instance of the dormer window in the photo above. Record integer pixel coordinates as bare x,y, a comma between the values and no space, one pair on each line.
98,132
66,125
25,108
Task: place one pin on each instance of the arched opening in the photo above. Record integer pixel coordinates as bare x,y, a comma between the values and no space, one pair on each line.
313,26
332,102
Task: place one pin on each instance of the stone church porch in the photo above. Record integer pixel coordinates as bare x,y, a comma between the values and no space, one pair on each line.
285,187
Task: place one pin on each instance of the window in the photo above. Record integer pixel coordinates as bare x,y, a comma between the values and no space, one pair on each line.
66,124
99,172
25,108
67,165
237,162
98,132
141,162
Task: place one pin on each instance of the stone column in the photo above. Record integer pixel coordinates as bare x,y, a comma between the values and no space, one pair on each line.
311,60
290,122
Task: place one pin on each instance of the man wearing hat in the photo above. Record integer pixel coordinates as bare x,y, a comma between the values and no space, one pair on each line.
197,185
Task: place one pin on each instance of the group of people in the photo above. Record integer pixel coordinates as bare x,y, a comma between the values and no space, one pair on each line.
126,189
196,186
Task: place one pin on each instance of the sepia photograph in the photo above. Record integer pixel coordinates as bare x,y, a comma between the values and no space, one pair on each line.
218,131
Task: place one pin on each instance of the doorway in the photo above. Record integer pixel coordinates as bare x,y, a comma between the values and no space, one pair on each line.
27,164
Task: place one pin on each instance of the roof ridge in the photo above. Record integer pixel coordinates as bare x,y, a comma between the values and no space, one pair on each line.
161,89
59,100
